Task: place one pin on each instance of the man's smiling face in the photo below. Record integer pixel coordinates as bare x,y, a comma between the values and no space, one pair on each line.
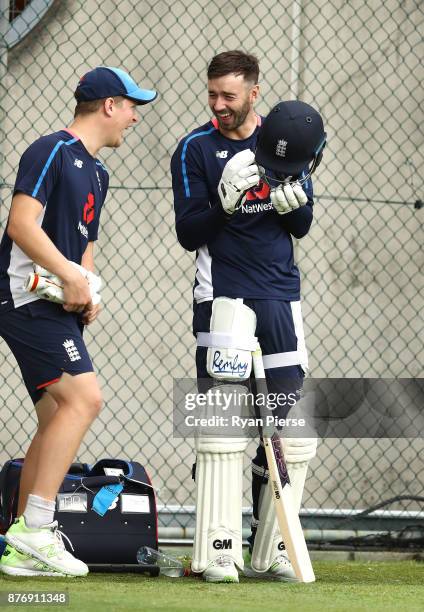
231,99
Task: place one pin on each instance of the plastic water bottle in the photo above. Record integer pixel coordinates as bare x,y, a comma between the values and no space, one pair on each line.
168,566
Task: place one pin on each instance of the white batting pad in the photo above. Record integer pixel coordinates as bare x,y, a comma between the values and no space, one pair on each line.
268,541
298,450
230,341
218,508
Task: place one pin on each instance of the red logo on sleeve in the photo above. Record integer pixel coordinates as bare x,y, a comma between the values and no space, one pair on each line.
88,214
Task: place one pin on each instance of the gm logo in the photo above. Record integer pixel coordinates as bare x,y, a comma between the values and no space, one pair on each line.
222,544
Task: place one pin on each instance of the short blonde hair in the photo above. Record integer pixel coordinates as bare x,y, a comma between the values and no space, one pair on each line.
86,107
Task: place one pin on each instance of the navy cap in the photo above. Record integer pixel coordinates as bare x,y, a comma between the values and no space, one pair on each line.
291,136
105,82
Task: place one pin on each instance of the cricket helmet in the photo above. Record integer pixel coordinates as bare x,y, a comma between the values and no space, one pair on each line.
291,138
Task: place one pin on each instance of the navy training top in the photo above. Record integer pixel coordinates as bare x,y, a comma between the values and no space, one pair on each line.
59,172
249,255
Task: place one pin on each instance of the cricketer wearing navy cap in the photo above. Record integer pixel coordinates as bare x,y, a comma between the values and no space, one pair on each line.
105,81
58,197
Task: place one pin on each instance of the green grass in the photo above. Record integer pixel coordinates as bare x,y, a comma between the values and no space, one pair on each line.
349,586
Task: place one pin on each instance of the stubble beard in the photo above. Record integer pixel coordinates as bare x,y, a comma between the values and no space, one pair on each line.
239,117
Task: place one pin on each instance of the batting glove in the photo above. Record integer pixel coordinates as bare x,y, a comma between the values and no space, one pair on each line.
240,174
94,281
288,197
49,287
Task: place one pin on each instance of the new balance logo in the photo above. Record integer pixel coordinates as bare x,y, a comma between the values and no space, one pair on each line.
43,567
49,550
222,154
78,163
281,148
72,350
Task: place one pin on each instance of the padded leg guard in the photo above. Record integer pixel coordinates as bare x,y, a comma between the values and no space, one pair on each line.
268,542
219,505
230,341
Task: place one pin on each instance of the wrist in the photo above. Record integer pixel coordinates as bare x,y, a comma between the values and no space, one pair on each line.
69,273
223,213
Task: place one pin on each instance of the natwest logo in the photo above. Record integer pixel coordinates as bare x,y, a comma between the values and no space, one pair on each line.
256,208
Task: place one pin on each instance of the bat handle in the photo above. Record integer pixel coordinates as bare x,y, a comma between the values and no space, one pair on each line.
32,282
258,364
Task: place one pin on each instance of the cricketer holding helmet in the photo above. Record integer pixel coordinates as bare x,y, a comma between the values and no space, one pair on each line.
246,285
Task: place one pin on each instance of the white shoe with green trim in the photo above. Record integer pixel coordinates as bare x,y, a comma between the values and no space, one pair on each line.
46,545
14,563
221,569
280,569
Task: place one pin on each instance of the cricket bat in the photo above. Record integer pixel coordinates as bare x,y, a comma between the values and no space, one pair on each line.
287,517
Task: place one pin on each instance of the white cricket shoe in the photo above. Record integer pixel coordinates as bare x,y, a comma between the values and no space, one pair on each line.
14,563
46,545
222,569
280,569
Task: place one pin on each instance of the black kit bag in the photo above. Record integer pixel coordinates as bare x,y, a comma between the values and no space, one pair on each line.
108,511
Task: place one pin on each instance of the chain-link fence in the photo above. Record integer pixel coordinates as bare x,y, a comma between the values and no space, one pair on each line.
360,63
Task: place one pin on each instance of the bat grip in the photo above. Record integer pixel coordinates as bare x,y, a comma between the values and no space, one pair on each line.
261,387
258,364
32,282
